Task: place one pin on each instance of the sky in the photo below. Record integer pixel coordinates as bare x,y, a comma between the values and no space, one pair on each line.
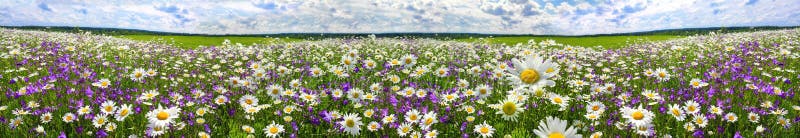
559,17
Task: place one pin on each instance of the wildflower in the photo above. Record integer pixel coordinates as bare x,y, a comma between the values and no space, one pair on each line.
552,127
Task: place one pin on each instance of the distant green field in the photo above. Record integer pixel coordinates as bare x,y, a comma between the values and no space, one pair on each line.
196,41
588,41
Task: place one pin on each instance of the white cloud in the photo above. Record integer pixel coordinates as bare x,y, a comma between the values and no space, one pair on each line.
473,16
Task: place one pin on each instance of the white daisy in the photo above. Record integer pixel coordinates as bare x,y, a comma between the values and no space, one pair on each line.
552,127
532,71
485,130
638,116
273,130
163,117
351,123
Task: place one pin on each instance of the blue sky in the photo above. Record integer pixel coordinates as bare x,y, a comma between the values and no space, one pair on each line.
565,17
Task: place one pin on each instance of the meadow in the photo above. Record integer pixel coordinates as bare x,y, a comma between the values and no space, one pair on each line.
197,41
711,85
618,41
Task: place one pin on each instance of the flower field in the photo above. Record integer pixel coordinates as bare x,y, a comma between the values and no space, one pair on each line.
710,85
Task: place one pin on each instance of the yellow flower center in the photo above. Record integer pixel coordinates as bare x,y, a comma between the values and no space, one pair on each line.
162,115
124,112
248,101
638,115
429,121
676,112
558,100
138,75
529,76
350,123
549,70
691,108
273,130
556,135
509,108
595,108
484,130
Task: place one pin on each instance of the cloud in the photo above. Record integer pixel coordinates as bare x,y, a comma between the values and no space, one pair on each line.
44,7
356,16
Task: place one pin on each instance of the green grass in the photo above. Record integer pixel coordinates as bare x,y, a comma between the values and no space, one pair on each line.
586,41
197,41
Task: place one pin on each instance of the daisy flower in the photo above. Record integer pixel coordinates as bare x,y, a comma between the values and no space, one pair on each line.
220,100
100,120
408,60
559,100
509,109
148,95
651,95
697,83
662,74
432,134
162,117
68,117
138,74
485,130
156,130
676,111
373,126
552,127
274,91
273,130
752,117
700,120
691,107
248,100
355,94
412,116
369,64
592,116
102,83
595,106
248,129
351,123
428,120
442,71
784,122
108,107
46,117
84,110
731,117
203,135
645,130
388,119
689,127
715,110
531,72
404,129
123,112
316,72
637,116
111,126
